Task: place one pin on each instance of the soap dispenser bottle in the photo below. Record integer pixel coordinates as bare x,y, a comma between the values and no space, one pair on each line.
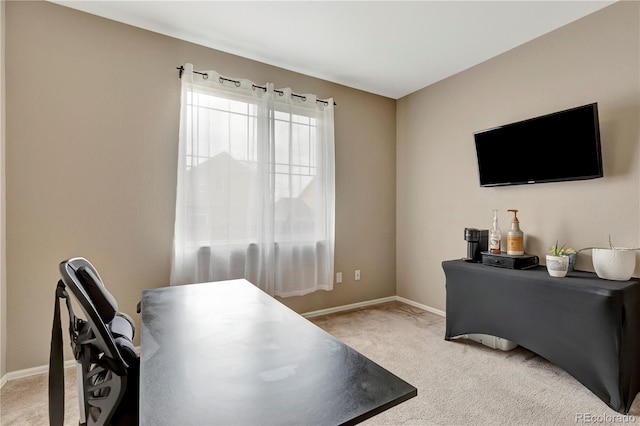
495,236
515,237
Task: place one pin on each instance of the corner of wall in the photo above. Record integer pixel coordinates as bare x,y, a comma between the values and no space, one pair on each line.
3,228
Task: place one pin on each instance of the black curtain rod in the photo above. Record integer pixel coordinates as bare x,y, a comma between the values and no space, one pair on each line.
237,83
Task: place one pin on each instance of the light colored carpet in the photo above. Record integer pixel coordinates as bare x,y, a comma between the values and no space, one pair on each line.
462,382
459,382
26,401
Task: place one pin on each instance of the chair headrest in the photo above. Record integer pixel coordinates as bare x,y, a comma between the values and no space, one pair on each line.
104,302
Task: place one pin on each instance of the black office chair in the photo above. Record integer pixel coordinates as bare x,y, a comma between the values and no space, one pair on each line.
108,365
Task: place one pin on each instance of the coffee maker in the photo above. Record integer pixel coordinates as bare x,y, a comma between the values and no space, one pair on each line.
477,242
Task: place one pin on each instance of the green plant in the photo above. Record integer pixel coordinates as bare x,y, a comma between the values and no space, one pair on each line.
560,251
611,247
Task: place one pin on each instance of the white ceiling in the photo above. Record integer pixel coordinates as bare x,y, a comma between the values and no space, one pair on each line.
390,48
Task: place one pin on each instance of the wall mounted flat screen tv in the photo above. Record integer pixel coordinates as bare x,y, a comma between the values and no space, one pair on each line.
561,146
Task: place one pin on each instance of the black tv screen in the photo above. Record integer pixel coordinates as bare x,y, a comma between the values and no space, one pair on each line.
561,146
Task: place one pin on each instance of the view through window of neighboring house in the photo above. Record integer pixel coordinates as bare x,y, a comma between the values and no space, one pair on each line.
222,162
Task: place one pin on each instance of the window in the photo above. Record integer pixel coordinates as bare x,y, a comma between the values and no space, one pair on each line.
255,187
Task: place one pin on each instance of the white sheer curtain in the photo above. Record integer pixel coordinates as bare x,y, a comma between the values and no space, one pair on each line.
256,191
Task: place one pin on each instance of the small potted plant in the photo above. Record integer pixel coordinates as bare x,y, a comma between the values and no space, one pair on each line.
565,251
558,260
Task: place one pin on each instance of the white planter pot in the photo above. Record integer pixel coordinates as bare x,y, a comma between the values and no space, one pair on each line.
613,264
557,266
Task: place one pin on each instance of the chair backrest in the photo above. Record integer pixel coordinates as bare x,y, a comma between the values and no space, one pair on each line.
99,306
108,365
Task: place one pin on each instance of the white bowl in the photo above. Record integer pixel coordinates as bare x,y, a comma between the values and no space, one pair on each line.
617,265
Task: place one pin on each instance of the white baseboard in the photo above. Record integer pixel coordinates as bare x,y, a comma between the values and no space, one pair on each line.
27,372
371,303
421,306
348,307
70,363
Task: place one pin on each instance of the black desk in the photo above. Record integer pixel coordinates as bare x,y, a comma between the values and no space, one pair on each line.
227,353
587,326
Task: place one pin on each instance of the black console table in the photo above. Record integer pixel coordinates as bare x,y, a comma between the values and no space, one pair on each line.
587,326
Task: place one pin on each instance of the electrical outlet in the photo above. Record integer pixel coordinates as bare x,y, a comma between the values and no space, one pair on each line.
338,277
357,275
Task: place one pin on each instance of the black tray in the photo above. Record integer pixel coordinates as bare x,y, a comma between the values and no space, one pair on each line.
509,261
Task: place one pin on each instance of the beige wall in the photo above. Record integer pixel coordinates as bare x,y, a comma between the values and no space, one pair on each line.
596,59
92,113
3,286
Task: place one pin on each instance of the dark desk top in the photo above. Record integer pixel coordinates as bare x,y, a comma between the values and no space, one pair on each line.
227,353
